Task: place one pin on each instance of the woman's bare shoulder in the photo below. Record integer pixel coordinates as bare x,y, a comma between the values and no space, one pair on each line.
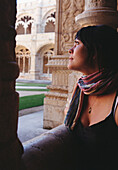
116,111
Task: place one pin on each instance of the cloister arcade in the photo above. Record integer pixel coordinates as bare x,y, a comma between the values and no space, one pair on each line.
35,27
23,59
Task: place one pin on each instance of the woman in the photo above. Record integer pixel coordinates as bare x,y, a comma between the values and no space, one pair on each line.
93,113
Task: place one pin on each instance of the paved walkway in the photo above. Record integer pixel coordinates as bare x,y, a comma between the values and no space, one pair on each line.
28,93
34,81
30,121
30,126
30,87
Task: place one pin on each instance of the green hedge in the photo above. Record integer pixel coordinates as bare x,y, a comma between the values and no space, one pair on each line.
31,101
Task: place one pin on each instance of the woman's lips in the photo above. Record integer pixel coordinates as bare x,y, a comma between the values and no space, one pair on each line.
70,58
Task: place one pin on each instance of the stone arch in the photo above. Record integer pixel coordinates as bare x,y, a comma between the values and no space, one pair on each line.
46,57
23,59
45,53
48,21
24,24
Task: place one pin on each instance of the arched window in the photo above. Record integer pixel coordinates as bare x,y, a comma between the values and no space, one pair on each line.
46,57
20,29
24,60
29,29
23,26
50,26
50,23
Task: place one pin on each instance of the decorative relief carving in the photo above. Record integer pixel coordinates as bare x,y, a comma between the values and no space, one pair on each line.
100,3
66,4
70,10
60,79
56,95
58,61
78,8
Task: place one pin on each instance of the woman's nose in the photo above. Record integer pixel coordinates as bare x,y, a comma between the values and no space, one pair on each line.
70,51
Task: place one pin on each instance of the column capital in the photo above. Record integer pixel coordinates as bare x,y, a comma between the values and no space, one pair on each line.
99,12
95,4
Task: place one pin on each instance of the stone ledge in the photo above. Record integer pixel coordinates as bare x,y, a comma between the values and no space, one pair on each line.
30,110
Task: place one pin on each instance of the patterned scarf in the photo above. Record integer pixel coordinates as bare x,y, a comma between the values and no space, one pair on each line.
98,83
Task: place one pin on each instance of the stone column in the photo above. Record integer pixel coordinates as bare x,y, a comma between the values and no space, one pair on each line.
34,70
56,99
10,146
99,12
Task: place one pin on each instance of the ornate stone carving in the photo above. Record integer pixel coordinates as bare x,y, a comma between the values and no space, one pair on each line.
69,10
100,3
95,10
58,61
65,5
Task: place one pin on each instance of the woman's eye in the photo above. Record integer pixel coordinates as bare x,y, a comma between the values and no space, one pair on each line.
76,43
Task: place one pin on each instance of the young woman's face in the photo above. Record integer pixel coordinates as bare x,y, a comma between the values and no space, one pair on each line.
78,59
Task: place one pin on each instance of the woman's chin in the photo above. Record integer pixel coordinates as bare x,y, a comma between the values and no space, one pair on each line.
69,67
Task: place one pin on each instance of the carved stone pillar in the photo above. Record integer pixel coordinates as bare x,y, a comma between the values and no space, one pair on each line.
56,99
10,146
99,12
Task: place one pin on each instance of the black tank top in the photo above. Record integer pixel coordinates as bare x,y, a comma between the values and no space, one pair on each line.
97,145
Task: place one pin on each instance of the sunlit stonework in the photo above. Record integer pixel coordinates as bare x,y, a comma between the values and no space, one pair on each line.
35,27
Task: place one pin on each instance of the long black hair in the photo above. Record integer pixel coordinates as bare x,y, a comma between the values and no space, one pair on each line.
101,40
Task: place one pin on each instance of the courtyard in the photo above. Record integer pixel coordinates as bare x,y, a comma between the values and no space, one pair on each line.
30,120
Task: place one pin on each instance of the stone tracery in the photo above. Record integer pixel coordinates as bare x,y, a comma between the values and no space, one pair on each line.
46,57
26,23
24,60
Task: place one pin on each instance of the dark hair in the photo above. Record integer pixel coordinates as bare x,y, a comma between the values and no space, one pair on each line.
103,41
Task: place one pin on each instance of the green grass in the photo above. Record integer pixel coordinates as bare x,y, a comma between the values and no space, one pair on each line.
31,101
31,84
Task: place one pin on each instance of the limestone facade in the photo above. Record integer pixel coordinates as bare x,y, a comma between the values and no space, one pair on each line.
35,27
70,17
